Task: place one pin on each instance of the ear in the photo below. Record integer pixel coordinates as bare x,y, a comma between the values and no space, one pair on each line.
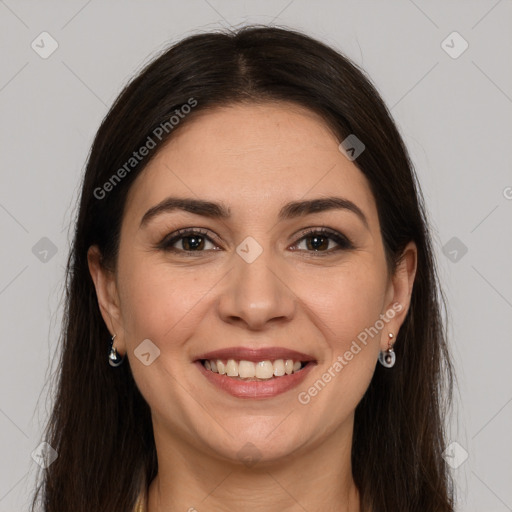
398,297
108,298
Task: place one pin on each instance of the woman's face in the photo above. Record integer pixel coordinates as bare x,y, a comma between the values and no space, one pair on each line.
253,284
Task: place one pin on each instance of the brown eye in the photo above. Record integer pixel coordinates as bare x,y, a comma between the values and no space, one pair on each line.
321,241
188,240
193,242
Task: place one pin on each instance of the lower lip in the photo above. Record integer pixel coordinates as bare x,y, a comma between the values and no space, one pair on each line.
256,388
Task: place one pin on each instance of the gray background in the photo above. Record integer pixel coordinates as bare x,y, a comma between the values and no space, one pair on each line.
454,114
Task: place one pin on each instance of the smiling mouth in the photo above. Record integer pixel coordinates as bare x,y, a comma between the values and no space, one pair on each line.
244,370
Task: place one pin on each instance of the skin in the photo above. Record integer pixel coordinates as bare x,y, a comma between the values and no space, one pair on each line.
254,158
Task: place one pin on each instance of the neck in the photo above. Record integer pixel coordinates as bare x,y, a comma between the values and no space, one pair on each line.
317,479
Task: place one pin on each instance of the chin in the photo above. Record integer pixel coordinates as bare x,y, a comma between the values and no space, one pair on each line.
258,446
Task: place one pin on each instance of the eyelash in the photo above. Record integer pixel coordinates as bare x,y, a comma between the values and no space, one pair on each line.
343,242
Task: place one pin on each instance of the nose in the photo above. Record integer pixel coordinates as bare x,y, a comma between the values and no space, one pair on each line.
257,293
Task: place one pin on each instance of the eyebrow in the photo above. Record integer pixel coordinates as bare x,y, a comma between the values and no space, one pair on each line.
219,211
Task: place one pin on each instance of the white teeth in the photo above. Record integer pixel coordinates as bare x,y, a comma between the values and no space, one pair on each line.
264,370
249,370
279,368
246,369
232,368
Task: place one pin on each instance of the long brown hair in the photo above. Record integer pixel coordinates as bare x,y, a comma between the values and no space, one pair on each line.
100,424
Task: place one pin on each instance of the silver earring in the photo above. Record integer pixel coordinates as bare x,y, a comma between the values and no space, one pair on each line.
113,357
387,357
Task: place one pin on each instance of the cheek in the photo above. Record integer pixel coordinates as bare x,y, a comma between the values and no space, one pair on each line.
347,304
157,301
345,300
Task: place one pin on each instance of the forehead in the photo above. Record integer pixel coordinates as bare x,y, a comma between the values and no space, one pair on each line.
253,158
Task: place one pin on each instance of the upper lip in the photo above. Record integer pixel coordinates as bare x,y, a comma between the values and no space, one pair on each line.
256,354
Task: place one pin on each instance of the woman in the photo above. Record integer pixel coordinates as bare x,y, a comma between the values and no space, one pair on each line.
253,259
